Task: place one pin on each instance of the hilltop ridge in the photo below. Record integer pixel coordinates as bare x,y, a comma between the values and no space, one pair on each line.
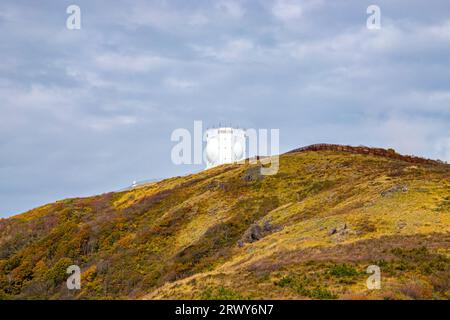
388,153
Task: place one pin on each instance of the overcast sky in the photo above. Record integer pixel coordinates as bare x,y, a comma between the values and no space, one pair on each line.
88,111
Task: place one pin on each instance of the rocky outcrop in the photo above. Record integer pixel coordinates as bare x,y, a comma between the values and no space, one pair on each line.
256,232
394,189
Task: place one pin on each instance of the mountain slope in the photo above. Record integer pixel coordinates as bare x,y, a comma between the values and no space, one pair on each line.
310,231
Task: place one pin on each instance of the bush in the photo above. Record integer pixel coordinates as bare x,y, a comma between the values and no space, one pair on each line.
322,293
343,271
57,274
304,288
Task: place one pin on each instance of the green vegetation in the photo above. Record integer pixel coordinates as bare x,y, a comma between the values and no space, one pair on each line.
305,287
343,271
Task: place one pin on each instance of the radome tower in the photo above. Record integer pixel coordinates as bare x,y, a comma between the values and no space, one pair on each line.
224,145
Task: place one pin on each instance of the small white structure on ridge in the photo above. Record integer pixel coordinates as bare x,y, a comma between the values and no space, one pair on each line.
224,145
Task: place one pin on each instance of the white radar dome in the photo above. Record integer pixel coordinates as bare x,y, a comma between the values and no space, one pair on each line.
212,150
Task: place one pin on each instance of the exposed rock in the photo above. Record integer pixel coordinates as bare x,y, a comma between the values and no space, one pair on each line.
401,224
255,232
394,189
252,174
252,234
343,230
268,227
240,243
216,184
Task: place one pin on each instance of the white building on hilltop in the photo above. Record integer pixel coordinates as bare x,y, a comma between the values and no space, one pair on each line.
224,145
